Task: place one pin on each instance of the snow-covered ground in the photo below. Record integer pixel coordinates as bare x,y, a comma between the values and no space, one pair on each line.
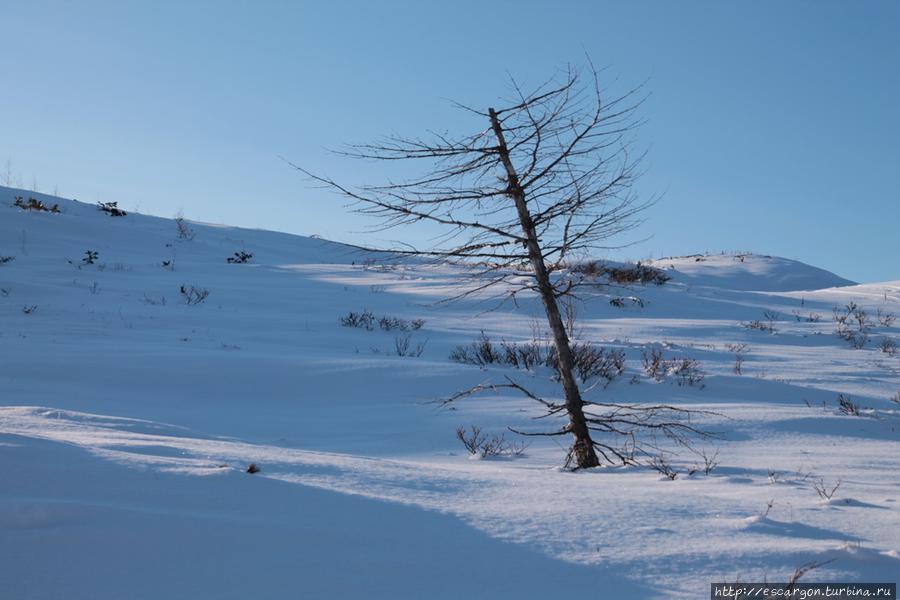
128,418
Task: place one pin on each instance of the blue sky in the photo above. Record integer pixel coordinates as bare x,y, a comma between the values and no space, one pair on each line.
772,126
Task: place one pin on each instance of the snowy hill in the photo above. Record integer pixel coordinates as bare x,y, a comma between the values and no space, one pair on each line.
131,405
749,272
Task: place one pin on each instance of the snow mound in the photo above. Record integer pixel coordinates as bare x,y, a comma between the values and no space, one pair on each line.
748,272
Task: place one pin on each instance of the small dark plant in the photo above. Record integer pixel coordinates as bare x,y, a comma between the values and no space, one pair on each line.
34,204
652,361
825,492
90,257
6,259
253,468
847,406
660,464
29,308
239,257
362,320
888,346
111,208
403,346
885,319
707,464
739,351
852,325
183,230
193,295
479,444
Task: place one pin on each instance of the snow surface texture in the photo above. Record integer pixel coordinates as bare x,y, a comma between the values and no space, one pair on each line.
128,418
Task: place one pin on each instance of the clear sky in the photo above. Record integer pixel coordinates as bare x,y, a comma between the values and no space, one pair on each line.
772,126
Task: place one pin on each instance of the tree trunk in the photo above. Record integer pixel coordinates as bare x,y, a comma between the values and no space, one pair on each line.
582,446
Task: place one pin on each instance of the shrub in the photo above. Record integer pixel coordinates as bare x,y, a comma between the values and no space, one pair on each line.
847,406
479,444
239,257
111,208
809,318
393,323
29,308
659,463
825,492
652,362
637,273
852,325
481,352
6,259
760,326
739,351
34,204
620,302
403,346
253,468
687,370
590,361
362,320
183,230
193,295
885,319
888,346
90,257
710,462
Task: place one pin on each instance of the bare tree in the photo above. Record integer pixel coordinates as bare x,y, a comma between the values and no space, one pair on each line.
547,180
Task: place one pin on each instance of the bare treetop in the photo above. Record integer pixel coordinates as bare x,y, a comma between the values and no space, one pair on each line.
571,151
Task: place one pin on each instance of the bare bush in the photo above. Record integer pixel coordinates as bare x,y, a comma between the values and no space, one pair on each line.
590,361
6,259
637,273
394,323
403,346
90,257
111,208
29,308
800,572
739,351
479,444
825,492
183,230
193,295
661,464
622,302
888,346
240,258
707,464
360,320
885,319
847,406
852,325
481,352
760,326
808,318
652,362
687,371
35,204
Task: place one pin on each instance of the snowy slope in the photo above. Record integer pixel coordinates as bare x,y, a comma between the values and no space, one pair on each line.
748,272
127,418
